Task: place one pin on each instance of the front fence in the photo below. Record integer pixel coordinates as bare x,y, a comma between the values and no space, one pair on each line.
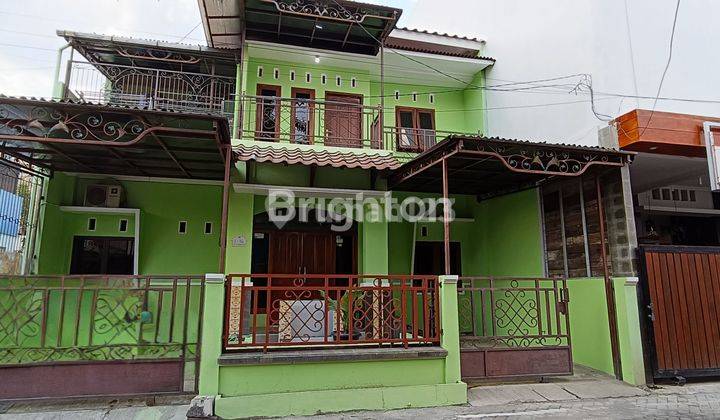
107,335
266,311
514,327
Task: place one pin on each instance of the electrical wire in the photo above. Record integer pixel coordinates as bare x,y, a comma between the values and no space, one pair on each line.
667,66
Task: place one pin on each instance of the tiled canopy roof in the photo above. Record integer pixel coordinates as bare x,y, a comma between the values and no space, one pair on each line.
423,31
337,159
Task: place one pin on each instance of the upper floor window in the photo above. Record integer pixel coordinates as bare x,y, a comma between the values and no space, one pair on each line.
260,72
415,128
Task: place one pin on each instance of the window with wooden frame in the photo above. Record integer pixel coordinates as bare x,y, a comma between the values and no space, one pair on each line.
303,115
415,128
267,117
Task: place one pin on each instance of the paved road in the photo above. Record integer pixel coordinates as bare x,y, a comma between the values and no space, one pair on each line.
654,406
690,402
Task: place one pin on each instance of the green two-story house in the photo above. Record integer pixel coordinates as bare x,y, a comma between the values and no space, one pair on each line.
303,216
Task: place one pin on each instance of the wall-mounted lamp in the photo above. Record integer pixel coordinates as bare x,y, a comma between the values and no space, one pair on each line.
317,59
318,26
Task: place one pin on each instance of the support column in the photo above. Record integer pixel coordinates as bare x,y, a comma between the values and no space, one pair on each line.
609,287
373,244
450,328
212,329
630,341
224,215
446,216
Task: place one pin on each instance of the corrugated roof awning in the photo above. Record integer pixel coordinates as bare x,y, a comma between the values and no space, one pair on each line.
485,166
338,25
91,138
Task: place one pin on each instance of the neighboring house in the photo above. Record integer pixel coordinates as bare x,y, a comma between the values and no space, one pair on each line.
676,209
162,162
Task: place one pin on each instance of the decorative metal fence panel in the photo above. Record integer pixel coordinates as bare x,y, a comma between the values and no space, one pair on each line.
20,197
270,311
86,320
148,88
509,321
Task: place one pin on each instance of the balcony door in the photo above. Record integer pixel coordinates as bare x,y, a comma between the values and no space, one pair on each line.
267,114
415,129
343,120
303,110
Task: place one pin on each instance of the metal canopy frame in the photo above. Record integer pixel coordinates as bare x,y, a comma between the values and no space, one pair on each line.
338,25
491,166
103,49
87,138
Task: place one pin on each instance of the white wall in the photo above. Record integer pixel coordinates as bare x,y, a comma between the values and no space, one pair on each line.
533,39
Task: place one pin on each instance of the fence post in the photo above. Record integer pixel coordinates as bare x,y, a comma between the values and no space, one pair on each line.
212,331
450,327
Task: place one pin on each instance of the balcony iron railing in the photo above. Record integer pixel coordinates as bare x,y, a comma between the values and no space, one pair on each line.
266,311
309,121
329,123
149,88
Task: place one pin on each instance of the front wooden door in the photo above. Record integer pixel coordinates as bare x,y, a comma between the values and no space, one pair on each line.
343,120
301,253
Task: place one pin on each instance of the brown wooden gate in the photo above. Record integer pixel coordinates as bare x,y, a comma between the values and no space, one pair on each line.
682,301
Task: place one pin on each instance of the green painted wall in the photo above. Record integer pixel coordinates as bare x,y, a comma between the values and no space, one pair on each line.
162,205
273,379
589,324
455,109
512,236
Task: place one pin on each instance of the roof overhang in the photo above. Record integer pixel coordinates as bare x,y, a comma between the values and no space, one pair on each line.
486,167
338,25
436,43
99,139
297,154
151,53
397,69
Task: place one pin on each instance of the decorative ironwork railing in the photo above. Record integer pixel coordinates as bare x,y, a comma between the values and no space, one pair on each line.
289,310
330,123
99,318
147,88
498,312
310,121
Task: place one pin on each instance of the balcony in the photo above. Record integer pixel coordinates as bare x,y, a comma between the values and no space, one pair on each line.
340,122
147,88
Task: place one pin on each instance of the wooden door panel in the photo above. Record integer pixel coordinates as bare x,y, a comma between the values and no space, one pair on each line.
682,285
343,120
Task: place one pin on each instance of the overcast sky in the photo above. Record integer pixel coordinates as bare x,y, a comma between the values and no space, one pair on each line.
28,44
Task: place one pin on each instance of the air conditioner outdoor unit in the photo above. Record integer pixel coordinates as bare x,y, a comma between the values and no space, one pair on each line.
103,195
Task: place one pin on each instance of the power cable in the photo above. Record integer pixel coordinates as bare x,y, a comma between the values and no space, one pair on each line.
667,66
